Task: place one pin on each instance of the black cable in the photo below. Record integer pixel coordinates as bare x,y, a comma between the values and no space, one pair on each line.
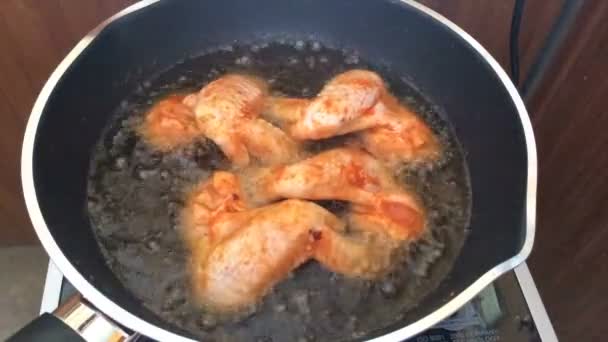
518,10
562,26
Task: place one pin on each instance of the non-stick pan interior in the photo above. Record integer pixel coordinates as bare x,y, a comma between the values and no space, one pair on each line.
438,62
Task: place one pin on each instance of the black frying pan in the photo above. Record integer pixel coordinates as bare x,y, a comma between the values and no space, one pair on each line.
448,66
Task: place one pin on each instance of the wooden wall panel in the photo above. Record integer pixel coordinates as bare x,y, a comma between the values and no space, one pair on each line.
34,36
570,116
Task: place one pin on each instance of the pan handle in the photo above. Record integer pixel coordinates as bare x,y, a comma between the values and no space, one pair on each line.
74,321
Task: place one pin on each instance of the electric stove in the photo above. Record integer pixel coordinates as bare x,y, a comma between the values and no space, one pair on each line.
508,310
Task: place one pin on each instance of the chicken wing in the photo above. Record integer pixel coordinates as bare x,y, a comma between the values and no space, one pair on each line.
401,135
267,143
346,174
206,204
271,242
227,111
238,254
341,174
357,254
170,124
396,215
284,111
341,107
358,101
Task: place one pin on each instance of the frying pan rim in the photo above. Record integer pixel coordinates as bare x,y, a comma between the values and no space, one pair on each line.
137,324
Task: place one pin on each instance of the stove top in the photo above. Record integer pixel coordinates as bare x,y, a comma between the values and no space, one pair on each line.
509,310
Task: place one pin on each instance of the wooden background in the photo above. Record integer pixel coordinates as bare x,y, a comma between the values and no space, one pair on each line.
570,258
571,252
34,36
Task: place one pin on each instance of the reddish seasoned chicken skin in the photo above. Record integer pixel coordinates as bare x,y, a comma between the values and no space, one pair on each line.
402,135
170,124
269,243
238,254
285,111
358,101
347,174
227,111
342,106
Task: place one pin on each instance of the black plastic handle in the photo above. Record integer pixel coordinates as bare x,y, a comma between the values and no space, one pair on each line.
47,328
